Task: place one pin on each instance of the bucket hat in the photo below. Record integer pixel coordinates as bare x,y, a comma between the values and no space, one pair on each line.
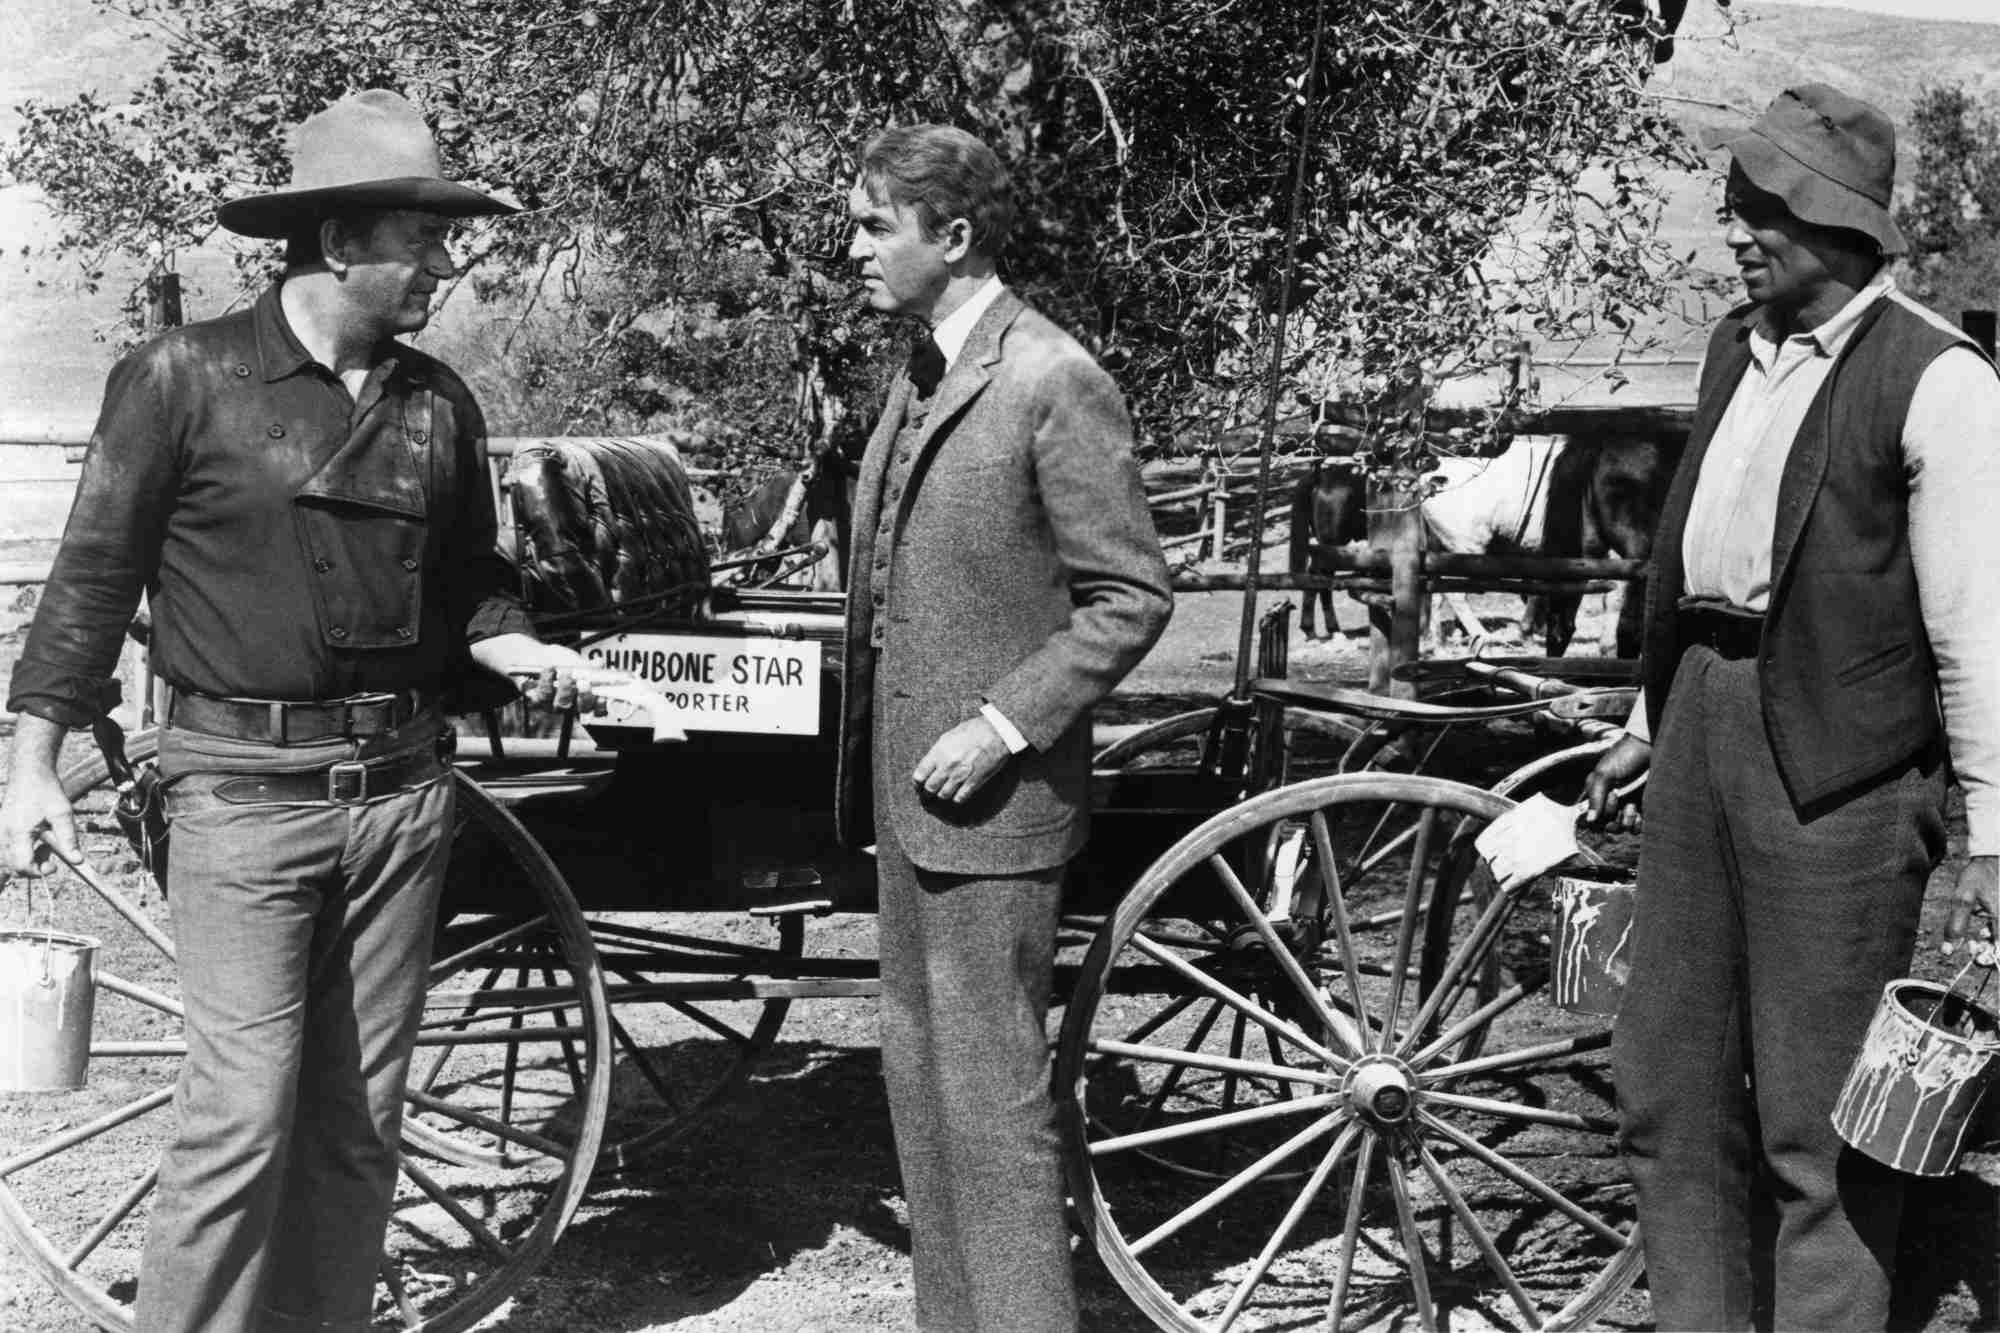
370,150
1830,157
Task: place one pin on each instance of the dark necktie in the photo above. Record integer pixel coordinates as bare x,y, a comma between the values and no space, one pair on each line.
926,365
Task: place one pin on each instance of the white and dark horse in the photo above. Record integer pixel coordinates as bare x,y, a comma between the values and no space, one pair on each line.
1542,496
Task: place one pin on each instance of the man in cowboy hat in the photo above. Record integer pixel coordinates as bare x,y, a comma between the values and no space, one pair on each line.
1820,636
305,502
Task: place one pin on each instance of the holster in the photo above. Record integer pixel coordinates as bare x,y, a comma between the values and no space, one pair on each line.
141,806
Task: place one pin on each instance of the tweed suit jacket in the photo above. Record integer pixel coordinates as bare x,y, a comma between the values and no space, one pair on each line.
1022,569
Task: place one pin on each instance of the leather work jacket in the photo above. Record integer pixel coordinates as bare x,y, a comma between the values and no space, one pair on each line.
295,543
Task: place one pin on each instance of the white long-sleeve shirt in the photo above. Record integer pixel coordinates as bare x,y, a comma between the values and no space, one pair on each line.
1951,450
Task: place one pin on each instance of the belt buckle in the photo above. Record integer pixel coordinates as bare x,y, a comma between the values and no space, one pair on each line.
347,782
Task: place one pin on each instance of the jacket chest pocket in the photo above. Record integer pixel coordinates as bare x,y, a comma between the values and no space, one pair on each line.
367,573
363,525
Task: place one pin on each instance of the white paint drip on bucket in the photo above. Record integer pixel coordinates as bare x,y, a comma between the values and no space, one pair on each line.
1915,1087
48,991
1590,951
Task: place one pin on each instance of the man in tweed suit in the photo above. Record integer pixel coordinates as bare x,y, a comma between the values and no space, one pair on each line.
1005,577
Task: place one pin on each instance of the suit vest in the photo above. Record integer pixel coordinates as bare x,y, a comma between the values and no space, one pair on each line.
1848,680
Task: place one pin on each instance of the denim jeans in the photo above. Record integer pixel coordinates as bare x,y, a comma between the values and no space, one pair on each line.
1762,940
303,934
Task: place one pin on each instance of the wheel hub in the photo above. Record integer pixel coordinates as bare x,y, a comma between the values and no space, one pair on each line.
1381,1090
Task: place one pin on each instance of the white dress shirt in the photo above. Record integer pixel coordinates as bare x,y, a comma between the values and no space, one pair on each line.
1951,452
950,334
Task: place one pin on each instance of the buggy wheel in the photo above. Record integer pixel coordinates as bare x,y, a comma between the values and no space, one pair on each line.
691,1018
1359,1166
75,1197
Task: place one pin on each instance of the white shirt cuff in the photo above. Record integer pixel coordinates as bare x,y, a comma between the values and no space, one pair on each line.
1009,733
1637,725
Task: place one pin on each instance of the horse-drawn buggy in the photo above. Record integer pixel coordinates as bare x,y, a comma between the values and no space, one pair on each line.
1307,1069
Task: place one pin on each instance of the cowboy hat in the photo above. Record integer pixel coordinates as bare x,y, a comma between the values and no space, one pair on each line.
368,150
1830,157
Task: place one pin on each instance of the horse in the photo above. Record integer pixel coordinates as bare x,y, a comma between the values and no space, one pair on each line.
820,514
1481,505
1583,496
1328,509
1605,497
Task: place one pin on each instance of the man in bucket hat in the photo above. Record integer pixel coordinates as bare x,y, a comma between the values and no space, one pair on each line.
1820,636
305,502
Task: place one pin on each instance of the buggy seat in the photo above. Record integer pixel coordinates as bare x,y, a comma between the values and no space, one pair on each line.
607,524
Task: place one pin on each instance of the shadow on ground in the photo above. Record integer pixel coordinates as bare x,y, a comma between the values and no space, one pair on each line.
800,1162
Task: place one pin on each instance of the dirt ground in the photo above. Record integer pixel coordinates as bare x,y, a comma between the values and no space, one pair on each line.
780,1213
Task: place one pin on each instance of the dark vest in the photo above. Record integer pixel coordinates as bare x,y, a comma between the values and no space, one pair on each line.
1848,680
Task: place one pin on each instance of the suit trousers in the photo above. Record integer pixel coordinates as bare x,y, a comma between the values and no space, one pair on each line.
1762,941
303,934
967,969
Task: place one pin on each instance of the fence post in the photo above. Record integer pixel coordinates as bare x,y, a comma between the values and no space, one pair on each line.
1395,526
1219,511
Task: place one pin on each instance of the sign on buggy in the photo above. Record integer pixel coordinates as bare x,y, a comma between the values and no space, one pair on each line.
724,682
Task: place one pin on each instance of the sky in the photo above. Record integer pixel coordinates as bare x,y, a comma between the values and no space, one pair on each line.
1973,11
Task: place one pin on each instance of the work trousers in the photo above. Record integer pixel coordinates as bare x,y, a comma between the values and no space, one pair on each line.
1762,940
967,968
303,934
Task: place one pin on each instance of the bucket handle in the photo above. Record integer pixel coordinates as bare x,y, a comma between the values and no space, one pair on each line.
1982,956
40,875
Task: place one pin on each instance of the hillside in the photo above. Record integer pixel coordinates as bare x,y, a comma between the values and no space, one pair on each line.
52,359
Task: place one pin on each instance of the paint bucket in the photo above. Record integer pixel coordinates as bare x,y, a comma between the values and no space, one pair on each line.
1590,954
1915,1087
48,994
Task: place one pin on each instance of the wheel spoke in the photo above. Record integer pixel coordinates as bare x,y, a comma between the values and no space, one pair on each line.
1172,1081
1214,1124
459,1214
132,990
122,905
140,1050
117,1213
1241,1003
514,1013
499,1129
1526,1055
1278,1058
1230,1076
1413,903
1289,1223
1336,899
1237,1183
446,966
760,957
1460,969
1350,1233
1333,1020
1583,1217
1519,1111
436,1064
696,1014
1481,1239
641,1061
1471,1023
1174,1009
83,1133
576,1079
1413,1243
1222,1064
